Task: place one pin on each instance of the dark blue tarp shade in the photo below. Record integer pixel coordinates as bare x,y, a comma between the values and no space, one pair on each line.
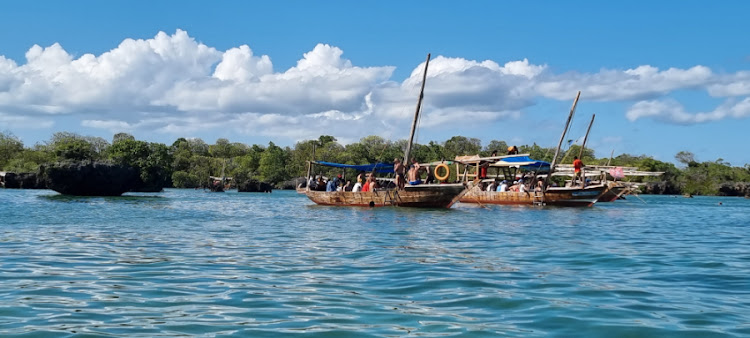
383,167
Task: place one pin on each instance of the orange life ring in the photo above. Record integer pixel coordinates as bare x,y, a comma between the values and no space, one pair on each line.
447,172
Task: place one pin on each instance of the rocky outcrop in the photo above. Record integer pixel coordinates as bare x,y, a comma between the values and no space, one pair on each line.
254,186
661,188
90,178
24,181
734,189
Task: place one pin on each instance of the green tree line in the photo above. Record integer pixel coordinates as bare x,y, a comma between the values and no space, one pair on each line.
188,163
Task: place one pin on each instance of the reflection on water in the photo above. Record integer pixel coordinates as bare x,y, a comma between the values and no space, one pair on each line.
186,262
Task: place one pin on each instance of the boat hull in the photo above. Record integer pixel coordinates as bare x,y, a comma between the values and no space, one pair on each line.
613,192
419,196
570,197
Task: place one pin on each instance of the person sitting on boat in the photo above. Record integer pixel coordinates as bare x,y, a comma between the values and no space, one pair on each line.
577,165
347,186
492,186
503,186
331,185
357,186
399,169
413,174
539,185
513,150
321,186
521,186
372,182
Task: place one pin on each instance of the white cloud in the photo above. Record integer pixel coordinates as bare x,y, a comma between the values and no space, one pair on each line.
672,111
731,85
177,85
111,125
24,122
632,84
239,64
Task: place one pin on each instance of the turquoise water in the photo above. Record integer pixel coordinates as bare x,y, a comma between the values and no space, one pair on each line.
186,262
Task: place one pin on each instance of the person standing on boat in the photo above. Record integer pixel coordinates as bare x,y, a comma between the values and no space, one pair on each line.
578,173
430,176
399,169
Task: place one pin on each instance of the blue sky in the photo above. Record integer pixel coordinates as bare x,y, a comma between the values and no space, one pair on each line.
662,77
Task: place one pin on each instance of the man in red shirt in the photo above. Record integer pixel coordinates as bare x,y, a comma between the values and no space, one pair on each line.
577,165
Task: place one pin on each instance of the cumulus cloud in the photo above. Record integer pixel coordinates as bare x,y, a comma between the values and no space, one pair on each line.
673,112
175,84
632,84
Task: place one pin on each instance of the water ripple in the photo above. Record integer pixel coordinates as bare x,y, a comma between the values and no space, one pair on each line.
190,263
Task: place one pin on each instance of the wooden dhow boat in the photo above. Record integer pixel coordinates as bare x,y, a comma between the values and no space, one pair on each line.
540,191
508,169
418,196
616,188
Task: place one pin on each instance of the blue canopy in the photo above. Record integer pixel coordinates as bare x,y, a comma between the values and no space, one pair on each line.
384,167
525,162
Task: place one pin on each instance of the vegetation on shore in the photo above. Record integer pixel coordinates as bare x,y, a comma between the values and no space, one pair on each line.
188,163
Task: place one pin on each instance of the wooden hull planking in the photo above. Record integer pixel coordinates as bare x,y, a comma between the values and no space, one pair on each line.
613,192
422,196
573,197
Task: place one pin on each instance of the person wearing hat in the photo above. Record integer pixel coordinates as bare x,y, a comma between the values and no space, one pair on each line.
503,186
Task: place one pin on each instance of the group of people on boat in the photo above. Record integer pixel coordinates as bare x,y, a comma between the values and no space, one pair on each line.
524,184
364,182
369,182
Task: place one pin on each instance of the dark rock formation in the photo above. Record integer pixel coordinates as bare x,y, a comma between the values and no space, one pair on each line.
24,181
254,186
661,188
90,178
734,189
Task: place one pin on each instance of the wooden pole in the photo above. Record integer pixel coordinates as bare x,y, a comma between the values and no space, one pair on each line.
562,137
610,157
407,160
307,178
585,138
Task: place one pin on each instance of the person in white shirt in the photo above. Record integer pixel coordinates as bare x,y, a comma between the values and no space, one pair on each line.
503,186
357,186
521,186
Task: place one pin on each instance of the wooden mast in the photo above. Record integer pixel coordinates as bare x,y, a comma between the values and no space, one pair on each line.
416,114
562,137
309,168
585,138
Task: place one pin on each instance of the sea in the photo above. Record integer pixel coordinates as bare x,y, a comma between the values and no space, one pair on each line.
195,263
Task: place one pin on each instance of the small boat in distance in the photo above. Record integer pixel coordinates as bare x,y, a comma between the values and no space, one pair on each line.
417,196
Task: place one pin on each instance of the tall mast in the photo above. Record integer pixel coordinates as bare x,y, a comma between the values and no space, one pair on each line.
416,114
562,137
585,138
